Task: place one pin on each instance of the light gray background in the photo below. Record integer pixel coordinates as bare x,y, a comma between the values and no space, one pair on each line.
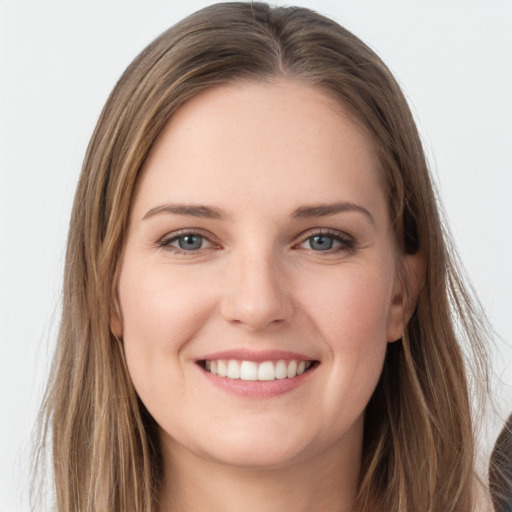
59,61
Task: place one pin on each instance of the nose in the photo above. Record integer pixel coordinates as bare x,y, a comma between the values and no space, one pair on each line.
257,294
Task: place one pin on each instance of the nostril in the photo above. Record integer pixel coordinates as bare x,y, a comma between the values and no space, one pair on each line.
256,314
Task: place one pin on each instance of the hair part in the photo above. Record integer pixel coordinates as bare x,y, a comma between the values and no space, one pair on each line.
418,451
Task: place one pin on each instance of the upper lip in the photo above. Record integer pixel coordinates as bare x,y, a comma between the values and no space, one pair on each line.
256,356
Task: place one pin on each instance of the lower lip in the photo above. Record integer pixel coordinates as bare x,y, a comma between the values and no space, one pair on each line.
258,389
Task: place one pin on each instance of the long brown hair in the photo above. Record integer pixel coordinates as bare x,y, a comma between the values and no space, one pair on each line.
418,452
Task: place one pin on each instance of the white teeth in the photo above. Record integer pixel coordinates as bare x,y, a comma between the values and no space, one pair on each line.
292,369
266,371
222,370
249,370
281,370
252,371
233,370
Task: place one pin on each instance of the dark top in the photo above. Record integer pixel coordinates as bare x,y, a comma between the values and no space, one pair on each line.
500,470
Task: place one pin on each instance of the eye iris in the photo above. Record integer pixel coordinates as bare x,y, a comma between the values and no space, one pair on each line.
190,242
321,243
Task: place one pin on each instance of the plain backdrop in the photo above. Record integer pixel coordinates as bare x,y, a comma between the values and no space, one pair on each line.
59,61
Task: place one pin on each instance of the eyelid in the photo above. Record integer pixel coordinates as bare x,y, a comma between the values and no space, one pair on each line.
165,241
348,242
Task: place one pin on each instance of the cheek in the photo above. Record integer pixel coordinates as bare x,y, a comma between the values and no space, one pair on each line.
158,304
161,313
350,307
350,310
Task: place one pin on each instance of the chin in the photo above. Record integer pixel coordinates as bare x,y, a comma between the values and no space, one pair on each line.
257,445
257,455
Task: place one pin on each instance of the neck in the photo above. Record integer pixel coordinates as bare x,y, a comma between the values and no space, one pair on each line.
324,483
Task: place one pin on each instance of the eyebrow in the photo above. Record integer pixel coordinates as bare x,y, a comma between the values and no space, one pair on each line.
189,210
303,212
324,210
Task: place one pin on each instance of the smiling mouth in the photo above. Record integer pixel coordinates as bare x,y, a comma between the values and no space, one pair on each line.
257,371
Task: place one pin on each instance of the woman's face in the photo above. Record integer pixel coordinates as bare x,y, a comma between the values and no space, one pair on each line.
258,286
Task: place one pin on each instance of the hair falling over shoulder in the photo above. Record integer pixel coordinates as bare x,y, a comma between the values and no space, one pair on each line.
419,437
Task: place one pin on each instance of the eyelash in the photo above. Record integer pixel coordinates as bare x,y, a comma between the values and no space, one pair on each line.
347,243
166,241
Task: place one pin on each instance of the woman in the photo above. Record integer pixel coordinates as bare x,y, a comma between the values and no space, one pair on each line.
259,301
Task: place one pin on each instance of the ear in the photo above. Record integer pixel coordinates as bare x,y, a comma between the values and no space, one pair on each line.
116,323
408,284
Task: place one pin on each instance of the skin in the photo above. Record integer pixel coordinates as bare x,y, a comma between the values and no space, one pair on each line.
255,153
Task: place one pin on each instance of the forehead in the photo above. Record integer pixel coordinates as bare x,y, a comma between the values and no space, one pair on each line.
278,142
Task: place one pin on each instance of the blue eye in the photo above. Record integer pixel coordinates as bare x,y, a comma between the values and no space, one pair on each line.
190,242
328,242
321,242
184,243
